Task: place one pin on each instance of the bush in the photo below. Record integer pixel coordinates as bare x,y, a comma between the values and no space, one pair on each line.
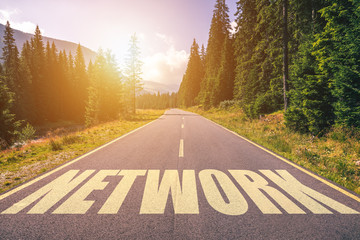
227,104
296,120
265,104
55,145
27,133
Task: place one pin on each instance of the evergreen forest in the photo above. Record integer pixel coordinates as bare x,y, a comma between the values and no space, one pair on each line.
40,85
298,56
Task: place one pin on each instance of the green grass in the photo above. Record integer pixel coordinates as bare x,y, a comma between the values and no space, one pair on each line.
332,156
21,164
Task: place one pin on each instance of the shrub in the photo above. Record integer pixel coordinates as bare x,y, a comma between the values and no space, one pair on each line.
55,145
227,104
27,133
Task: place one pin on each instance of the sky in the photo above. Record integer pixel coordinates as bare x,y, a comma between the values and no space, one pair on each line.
165,28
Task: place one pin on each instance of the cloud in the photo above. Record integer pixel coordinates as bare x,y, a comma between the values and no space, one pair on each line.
166,67
25,26
168,40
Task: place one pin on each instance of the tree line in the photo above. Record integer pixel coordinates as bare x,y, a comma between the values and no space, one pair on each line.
156,101
248,66
41,84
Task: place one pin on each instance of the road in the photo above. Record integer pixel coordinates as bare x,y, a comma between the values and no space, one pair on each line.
179,177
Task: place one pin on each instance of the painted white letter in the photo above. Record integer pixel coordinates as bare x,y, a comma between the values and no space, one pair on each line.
76,204
185,200
237,204
52,192
305,195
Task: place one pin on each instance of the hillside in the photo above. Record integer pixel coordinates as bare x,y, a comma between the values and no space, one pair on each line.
21,37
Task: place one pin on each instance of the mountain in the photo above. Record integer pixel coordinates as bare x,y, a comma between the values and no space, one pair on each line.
155,87
21,37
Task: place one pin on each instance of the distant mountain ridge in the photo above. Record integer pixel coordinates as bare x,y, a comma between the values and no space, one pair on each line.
155,87
21,37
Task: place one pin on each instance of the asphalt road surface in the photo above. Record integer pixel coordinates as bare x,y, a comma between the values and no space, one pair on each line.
179,177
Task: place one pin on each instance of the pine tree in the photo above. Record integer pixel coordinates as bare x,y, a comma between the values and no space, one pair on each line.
9,84
112,103
203,55
311,102
72,90
226,74
338,53
258,81
57,82
246,39
37,69
190,86
50,85
133,72
9,56
12,68
8,125
105,93
65,88
219,31
92,104
81,84
25,95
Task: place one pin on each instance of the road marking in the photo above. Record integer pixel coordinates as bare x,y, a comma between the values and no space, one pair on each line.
185,199
220,192
292,164
70,162
51,193
308,197
116,199
253,188
181,148
76,203
236,204
182,125
183,118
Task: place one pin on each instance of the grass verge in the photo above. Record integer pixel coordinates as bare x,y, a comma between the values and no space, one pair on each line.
22,164
333,156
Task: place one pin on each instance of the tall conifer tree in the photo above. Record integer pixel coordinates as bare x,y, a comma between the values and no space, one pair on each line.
338,52
258,81
8,125
11,69
9,57
26,96
226,74
37,69
190,86
133,72
219,31
81,84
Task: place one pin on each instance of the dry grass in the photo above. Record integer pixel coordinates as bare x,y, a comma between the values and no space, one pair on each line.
333,156
21,164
